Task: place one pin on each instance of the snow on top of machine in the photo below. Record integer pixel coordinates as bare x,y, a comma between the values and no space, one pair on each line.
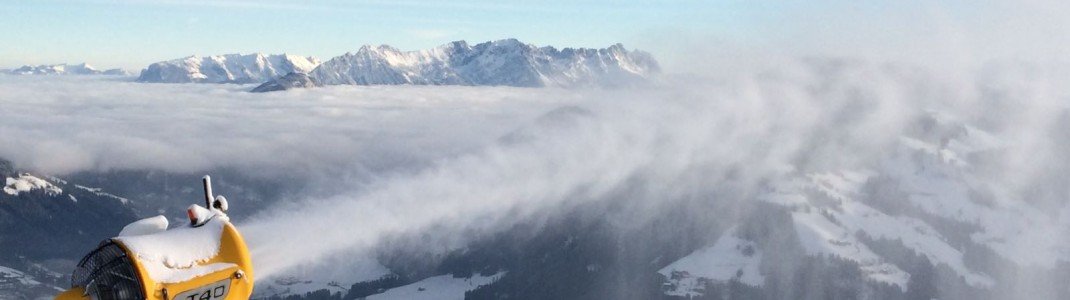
173,255
145,226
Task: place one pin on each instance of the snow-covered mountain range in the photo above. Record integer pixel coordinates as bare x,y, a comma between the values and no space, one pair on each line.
229,68
507,62
64,69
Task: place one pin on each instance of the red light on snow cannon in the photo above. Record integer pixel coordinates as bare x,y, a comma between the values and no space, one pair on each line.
198,215
192,217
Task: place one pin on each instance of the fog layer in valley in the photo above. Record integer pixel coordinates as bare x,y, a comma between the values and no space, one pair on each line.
472,161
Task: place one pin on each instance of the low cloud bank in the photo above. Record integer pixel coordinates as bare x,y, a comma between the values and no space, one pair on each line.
61,125
474,160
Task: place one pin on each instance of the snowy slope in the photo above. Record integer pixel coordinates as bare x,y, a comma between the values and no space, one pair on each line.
839,213
730,258
15,284
335,276
444,287
229,68
504,62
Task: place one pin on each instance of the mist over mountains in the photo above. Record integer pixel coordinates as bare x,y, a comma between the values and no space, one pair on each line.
805,179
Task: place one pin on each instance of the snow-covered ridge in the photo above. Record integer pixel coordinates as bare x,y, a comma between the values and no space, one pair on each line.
228,68
504,62
65,69
25,183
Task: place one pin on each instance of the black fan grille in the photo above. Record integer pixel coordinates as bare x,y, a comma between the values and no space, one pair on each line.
106,273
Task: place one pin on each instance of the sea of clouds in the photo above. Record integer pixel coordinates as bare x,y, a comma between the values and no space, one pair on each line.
478,159
59,125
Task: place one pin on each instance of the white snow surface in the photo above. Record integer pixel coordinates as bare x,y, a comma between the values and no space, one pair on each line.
729,258
17,275
828,210
445,287
25,183
935,181
820,236
831,230
145,226
173,255
98,192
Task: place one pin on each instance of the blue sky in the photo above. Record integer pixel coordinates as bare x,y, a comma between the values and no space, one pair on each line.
133,33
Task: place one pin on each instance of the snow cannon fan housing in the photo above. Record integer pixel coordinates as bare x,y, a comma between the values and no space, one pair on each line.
206,259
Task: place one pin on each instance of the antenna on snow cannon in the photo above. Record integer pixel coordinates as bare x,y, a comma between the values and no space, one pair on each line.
148,261
207,191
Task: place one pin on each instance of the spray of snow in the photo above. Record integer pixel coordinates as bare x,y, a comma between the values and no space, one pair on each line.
797,120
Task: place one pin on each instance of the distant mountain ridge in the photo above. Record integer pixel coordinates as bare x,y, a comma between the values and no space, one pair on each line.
507,62
228,68
64,69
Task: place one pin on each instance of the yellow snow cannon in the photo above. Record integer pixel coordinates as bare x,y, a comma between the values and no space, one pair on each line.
204,260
